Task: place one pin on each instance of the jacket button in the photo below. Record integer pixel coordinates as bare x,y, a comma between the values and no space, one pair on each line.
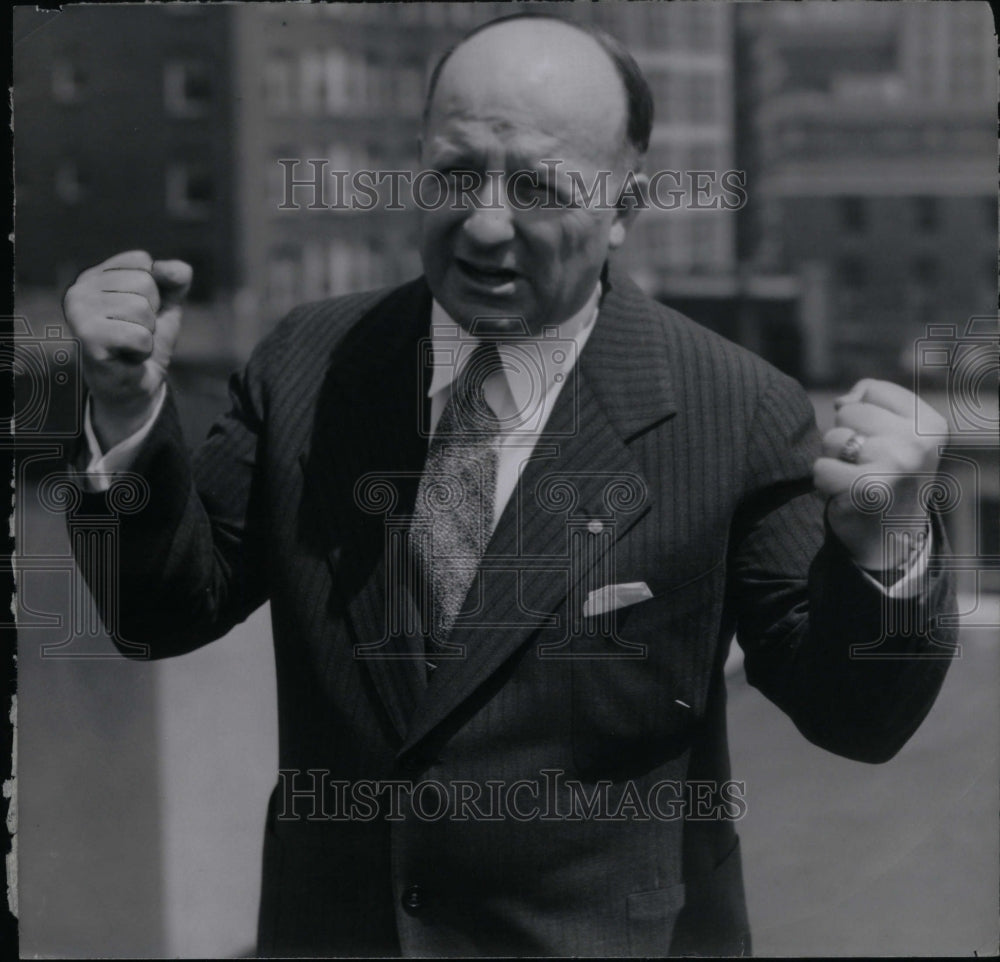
413,898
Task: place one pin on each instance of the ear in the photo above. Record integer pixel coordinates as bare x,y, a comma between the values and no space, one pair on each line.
632,198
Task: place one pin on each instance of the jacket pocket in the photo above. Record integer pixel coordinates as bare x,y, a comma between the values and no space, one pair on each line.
640,688
651,919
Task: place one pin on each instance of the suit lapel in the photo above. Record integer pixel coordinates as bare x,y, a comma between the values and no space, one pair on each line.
361,472
582,491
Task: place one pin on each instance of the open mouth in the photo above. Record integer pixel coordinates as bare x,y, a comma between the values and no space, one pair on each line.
486,275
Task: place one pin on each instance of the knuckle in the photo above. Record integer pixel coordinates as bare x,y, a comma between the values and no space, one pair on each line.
133,337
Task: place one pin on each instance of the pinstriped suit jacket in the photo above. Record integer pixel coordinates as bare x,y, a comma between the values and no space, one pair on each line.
672,457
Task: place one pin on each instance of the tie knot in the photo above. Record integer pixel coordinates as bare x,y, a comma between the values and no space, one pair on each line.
472,411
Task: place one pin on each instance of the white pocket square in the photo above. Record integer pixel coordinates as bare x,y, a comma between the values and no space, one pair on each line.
612,597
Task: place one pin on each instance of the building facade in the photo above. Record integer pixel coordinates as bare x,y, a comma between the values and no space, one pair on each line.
124,140
869,135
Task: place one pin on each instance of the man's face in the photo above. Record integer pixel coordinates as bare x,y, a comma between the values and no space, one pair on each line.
510,98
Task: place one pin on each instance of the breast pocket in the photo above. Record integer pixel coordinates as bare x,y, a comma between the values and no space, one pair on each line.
640,682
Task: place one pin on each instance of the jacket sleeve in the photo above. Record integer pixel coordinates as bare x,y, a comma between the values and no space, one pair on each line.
855,670
184,562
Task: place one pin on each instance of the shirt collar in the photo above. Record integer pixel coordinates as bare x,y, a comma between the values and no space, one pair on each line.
451,348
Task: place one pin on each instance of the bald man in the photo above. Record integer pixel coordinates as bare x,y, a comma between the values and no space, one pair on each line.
508,517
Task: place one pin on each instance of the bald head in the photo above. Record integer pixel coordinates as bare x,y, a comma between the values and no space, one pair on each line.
530,119
543,59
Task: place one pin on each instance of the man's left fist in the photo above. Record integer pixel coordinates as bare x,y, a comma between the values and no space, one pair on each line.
876,434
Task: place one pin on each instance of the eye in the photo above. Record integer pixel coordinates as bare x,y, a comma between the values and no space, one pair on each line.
530,190
457,172
555,196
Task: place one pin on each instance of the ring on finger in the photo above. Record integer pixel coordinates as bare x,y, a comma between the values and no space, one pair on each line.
851,451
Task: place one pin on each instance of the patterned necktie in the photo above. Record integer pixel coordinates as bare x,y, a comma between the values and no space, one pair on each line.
453,514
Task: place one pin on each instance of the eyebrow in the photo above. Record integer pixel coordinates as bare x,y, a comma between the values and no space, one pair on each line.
472,157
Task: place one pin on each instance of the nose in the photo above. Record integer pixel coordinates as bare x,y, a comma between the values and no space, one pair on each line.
490,223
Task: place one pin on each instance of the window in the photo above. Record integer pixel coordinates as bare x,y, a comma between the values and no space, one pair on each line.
703,243
702,26
328,81
68,82
990,280
187,89
922,291
378,85
278,83
311,81
202,274
853,215
409,90
190,191
679,104
340,266
282,279
277,176
462,14
704,100
677,239
314,271
375,256
70,188
925,271
335,69
358,85
703,157
436,14
852,274
852,278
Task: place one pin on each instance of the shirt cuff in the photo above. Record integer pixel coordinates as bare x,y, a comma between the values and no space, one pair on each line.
911,582
103,466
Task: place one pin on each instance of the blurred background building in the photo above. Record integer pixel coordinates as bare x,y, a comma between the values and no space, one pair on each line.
870,138
124,136
865,135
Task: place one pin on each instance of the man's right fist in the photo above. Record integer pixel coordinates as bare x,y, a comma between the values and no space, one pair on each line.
126,314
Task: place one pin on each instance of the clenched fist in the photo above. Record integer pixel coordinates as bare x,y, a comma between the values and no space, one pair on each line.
126,314
876,436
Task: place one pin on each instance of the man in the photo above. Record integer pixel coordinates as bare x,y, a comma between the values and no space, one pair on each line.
504,571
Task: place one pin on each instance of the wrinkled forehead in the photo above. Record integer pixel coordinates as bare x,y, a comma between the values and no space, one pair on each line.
548,85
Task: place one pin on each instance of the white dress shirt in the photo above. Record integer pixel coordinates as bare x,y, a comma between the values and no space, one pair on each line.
117,460
522,395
